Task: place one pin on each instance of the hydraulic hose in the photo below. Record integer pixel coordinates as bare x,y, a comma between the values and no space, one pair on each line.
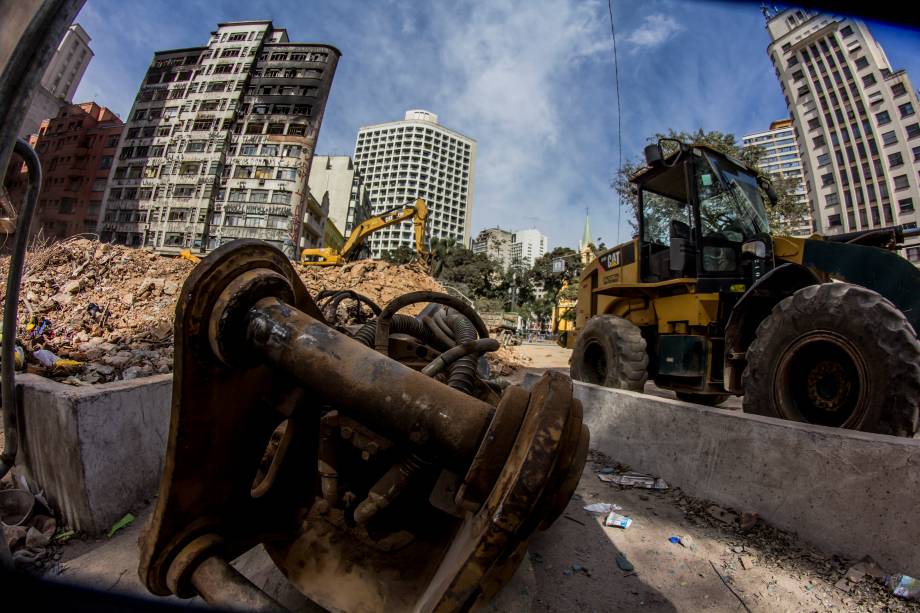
383,322
11,308
450,356
401,324
463,370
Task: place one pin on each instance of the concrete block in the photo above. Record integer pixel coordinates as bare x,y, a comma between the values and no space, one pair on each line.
845,492
97,450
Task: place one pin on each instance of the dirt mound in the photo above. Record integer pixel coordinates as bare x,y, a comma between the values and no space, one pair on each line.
111,307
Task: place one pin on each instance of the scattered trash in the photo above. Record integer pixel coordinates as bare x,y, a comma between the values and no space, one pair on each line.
124,522
738,549
615,520
747,562
64,536
633,479
602,508
722,515
688,542
904,586
624,564
606,471
748,521
675,540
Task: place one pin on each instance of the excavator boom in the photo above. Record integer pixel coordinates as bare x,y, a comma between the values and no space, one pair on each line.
328,256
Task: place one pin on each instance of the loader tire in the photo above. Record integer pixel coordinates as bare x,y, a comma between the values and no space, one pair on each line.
710,400
610,351
837,355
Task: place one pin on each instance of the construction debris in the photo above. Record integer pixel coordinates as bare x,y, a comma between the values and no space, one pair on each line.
94,312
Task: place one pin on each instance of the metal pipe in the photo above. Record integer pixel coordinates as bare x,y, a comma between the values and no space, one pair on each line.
406,406
222,586
450,356
11,309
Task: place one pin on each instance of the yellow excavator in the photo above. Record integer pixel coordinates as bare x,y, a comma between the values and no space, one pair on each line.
329,256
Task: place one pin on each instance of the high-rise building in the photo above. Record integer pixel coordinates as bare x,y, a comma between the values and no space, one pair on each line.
855,119
60,81
219,144
76,149
495,244
527,246
418,158
335,177
781,158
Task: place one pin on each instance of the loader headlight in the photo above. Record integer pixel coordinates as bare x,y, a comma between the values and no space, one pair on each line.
755,248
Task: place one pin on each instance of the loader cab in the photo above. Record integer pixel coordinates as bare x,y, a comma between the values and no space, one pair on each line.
697,210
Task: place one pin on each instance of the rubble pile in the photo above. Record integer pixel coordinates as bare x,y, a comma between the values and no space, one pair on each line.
506,361
378,280
93,312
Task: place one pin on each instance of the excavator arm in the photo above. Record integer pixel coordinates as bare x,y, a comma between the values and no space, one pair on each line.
328,256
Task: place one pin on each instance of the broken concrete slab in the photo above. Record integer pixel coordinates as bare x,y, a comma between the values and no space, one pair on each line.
844,491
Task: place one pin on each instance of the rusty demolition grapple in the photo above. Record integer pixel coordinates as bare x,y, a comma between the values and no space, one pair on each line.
380,472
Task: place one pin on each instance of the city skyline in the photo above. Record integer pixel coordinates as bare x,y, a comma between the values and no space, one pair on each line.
544,155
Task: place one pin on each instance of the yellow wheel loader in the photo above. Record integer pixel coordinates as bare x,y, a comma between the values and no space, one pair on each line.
328,256
706,302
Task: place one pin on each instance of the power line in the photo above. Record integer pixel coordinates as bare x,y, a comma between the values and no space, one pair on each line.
616,68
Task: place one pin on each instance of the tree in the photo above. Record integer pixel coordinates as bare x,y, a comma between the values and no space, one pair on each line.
401,255
786,214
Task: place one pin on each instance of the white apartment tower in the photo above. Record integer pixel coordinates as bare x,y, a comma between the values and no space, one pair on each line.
528,246
60,81
335,177
855,119
418,158
781,158
219,145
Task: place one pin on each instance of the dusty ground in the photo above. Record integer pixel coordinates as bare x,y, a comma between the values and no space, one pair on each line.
576,567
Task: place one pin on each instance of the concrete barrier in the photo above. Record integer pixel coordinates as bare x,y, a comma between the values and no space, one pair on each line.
845,492
98,450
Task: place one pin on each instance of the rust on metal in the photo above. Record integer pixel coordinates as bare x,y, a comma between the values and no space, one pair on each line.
373,486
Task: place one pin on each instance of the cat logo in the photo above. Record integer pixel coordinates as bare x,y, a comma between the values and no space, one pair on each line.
610,260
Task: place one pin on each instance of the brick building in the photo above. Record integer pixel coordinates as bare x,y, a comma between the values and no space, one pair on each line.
77,150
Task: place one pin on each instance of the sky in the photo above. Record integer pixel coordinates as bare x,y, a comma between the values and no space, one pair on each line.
532,81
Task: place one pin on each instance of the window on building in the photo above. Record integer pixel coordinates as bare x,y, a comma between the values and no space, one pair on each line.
833,220
296,129
202,125
906,109
195,146
895,160
889,138
913,130
242,172
883,118
275,128
254,128
898,89
913,254
292,151
832,199
901,182
819,141
824,159
182,191
846,31
792,62
151,171
861,62
189,168
906,205
258,195
281,197
827,179
869,80
269,150
105,161
248,149
814,123
916,152
286,174
237,195
263,172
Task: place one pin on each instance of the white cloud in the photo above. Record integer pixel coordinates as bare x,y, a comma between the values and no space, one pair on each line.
655,30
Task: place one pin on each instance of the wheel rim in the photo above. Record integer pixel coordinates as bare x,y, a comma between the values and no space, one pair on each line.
822,379
595,362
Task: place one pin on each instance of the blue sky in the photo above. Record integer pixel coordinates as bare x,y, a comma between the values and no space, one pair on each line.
531,80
